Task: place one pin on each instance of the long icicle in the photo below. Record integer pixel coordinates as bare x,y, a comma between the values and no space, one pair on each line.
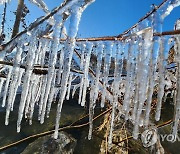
69,49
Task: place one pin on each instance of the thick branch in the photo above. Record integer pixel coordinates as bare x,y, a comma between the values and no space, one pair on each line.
39,70
18,18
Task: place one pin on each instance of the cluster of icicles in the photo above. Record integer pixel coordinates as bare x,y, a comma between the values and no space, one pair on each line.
133,78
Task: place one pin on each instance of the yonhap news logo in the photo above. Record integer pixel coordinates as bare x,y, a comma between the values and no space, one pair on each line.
149,137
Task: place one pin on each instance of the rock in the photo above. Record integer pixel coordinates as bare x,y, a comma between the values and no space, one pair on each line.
48,145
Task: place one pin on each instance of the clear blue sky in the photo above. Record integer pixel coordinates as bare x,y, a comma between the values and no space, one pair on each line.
104,17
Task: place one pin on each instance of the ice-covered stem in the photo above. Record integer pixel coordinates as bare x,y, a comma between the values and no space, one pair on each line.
41,4
60,9
165,7
177,95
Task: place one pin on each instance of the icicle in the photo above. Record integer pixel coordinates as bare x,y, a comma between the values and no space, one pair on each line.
150,92
107,62
143,77
95,84
60,66
82,63
36,80
117,74
1,84
6,87
59,74
43,53
52,62
157,27
69,48
83,47
38,51
37,98
177,93
129,77
91,113
21,71
132,85
86,70
69,86
74,89
27,76
86,83
95,87
44,81
51,96
14,82
28,99
161,72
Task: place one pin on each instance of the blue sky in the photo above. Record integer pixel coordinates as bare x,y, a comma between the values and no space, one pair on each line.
103,17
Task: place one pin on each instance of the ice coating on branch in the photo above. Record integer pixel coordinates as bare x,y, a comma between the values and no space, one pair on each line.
41,4
168,7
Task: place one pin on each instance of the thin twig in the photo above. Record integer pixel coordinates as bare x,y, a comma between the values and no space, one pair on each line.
143,18
158,126
116,38
52,131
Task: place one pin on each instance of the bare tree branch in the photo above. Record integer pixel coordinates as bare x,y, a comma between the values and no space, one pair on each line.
18,18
